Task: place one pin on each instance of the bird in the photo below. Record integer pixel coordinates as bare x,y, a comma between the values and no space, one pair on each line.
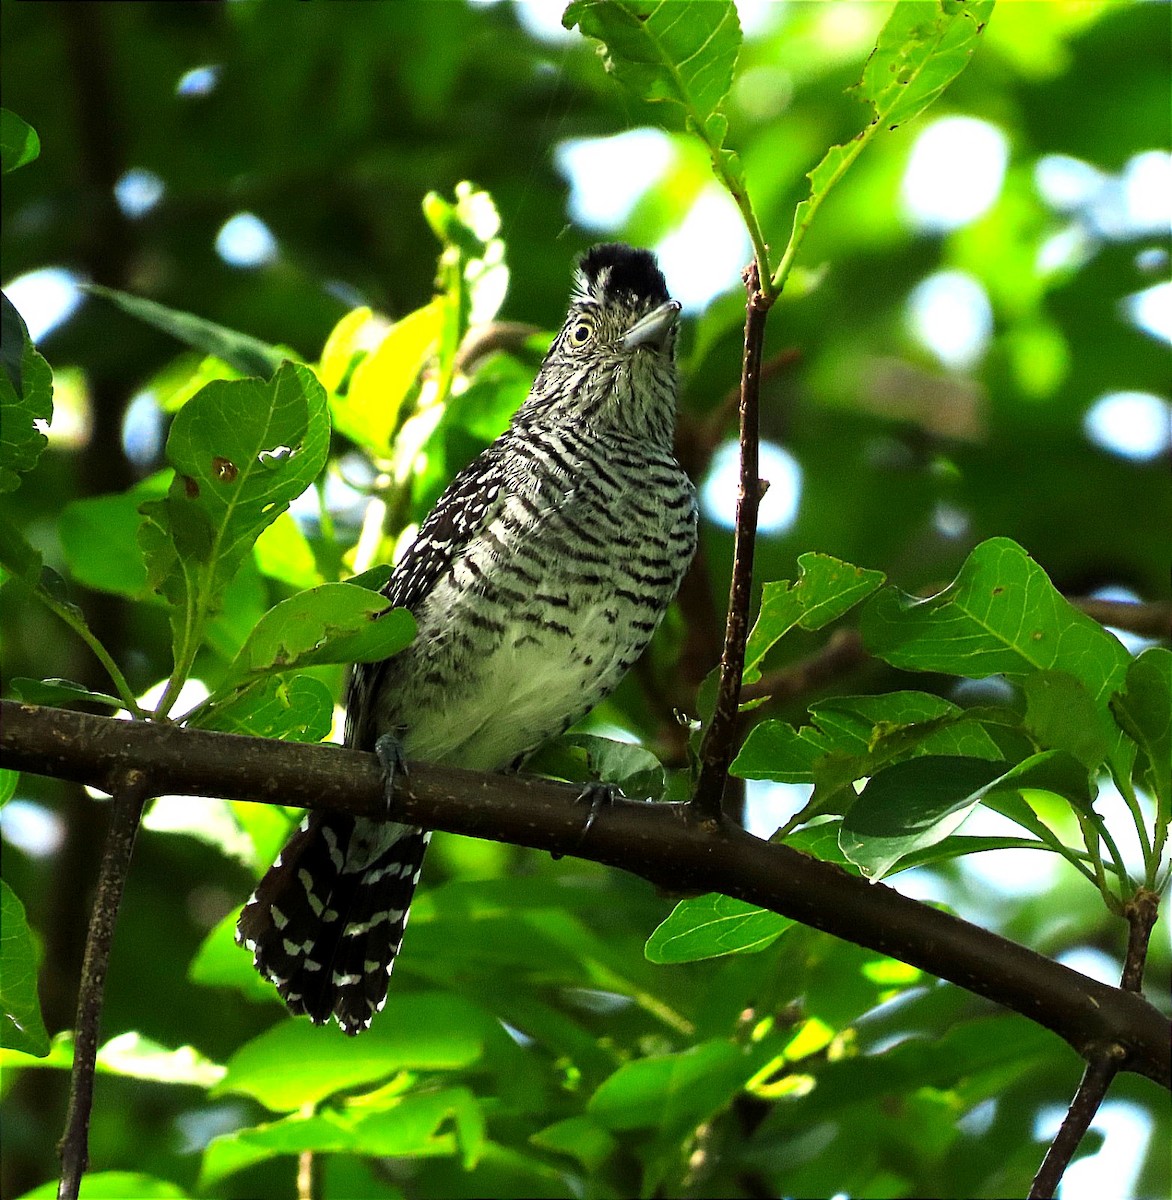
536,582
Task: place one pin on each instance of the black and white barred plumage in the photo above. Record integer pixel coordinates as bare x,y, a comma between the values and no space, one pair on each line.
536,582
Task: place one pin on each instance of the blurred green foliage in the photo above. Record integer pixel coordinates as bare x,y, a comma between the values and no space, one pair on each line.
529,1046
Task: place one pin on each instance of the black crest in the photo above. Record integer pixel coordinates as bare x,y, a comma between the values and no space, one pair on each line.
611,270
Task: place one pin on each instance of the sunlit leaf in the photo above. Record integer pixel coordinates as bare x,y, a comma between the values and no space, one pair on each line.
298,708
114,1185
369,411
242,451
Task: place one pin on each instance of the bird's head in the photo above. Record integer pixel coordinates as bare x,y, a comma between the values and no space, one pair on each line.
613,360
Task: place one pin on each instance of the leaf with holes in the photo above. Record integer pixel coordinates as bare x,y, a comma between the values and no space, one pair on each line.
826,589
331,623
26,398
1001,615
242,450
680,53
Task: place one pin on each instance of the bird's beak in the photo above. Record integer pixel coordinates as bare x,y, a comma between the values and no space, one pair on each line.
652,330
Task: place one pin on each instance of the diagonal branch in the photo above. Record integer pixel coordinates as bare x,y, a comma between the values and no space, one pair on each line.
655,841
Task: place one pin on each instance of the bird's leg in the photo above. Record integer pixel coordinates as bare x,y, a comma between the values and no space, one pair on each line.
389,750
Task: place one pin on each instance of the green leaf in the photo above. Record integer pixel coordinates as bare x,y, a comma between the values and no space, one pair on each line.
411,1125
8,782
1001,615
26,397
369,411
826,589
682,54
22,1028
19,143
130,1055
670,1090
60,692
921,49
247,354
581,1138
295,1063
776,750
1144,710
867,732
283,552
99,537
586,758
114,1185
712,925
296,708
331,623
915,804
1061,715
923,46
242,451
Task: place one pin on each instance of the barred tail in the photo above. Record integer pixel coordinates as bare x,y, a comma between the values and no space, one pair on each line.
326,921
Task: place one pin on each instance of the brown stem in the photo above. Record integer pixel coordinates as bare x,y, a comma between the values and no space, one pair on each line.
1101,1070
655,841
716,750
130,793
1141,913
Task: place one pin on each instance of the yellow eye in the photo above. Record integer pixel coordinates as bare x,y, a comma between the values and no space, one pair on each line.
581,333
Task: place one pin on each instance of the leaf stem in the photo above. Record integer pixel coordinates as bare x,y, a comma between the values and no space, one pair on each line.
78,624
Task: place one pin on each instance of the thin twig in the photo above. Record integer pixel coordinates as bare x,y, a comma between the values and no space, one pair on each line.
1096,1080
130,792
716,750
654,841
1141,913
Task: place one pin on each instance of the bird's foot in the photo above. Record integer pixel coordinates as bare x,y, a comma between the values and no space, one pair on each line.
389,751
598,796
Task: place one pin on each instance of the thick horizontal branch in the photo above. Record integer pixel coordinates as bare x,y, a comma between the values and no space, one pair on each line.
656,841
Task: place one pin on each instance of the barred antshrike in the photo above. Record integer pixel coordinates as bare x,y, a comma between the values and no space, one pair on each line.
536,582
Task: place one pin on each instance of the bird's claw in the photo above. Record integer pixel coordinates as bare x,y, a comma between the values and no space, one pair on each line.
598,796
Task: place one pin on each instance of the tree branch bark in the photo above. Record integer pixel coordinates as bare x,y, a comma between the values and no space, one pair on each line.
656,841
